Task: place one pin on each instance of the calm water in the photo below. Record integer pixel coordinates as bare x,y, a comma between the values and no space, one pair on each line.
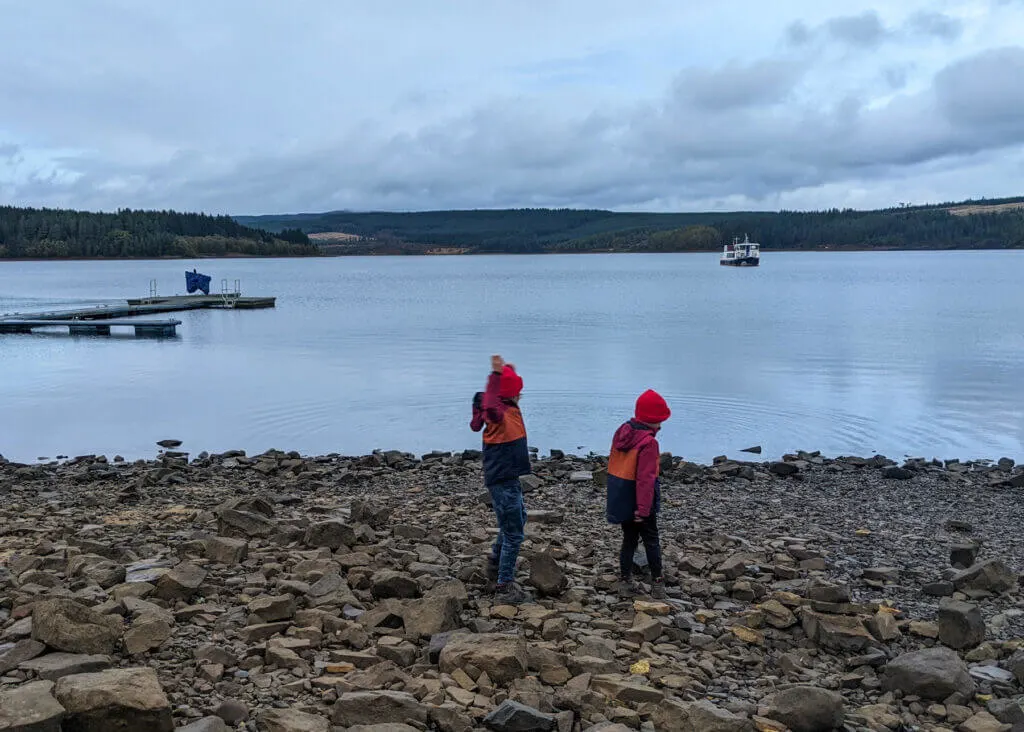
900,353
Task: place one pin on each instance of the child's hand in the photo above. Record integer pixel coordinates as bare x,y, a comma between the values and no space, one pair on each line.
497,364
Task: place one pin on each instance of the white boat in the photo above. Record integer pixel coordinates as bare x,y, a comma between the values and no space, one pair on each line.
741,253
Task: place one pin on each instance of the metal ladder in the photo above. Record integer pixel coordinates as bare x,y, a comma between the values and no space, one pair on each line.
230,297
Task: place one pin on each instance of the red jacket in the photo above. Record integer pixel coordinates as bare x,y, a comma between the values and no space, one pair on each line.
633,467
506,455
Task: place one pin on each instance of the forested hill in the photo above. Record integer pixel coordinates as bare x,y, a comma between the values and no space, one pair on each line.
55,233
983,224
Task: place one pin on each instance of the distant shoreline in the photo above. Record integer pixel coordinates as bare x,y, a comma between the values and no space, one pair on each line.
501,254
158,259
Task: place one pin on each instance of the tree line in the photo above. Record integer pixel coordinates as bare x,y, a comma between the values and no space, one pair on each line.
571,230
57,233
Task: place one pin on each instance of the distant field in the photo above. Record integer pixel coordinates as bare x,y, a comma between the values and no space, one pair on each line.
333,237
985,208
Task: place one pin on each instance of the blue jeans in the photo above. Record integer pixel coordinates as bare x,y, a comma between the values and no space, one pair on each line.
507,499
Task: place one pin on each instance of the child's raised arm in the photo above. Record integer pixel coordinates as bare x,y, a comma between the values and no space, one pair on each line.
493,408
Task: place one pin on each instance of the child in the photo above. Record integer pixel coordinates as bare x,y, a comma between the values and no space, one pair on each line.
506,457
634,494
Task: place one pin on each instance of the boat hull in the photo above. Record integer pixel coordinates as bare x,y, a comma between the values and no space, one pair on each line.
741,262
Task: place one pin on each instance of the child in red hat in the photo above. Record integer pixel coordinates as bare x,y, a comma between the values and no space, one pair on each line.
634,493
506,457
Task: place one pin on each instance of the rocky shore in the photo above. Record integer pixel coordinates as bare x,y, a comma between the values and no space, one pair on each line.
283,593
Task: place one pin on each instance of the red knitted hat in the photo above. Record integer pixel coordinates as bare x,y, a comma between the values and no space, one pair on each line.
651,408
511,383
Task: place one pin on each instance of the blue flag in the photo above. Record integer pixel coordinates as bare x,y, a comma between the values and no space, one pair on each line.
195,281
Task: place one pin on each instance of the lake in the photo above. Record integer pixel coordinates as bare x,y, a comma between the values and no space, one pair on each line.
918,353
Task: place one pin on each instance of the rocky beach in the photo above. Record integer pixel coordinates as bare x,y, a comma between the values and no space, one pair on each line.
287,593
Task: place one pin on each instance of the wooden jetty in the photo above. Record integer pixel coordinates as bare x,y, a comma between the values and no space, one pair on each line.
100,318
230,301
149,306
150,328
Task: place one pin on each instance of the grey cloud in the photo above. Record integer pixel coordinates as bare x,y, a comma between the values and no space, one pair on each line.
245,126
10,153
895,76
936,25
798,34
733,86
985,94
516,153
865,30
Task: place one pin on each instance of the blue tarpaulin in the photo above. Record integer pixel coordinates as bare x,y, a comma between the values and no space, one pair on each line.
195,281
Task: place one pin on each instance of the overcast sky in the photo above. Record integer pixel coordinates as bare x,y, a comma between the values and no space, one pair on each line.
263,106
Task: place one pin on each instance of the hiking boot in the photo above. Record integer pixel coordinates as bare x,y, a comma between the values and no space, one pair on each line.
511,594
625,588
492,571
658,589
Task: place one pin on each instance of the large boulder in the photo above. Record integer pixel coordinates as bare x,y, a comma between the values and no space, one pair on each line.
983,722
1008,711
250,504
807,709
389,583
377,707
96,569
66,625
991,576
225,550
331,589
503,657
431,615
512,716
782,468
291,720
22,651
53,666
824,591
272,608
370,513
838,632
30,708
331,534
181,583
960,624
625,691
701,716
125,699
546,576
147,632
931,673
235,523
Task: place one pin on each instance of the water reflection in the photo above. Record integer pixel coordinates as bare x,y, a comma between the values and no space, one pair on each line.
848,353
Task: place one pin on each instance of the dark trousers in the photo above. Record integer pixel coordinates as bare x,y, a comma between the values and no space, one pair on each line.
632,534
507,499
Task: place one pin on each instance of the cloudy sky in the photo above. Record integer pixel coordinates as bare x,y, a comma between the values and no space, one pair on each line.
263,106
